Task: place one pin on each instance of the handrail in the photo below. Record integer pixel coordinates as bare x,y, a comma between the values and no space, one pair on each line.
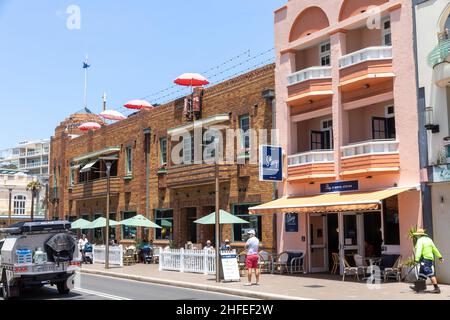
319,156
320,72
370,147
366,54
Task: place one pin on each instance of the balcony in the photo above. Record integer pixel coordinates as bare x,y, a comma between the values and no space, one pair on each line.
96,188
367,66
312,165
197,174
308,84
370,157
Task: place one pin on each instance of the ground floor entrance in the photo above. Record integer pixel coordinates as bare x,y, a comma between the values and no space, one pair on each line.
337,237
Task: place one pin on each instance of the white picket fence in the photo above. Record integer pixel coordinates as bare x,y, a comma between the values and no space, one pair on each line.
115,255
194,261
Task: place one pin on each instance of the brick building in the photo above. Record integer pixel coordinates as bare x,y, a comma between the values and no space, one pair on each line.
178,194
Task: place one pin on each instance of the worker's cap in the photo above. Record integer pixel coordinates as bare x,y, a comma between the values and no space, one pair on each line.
227,241
420,232
251,232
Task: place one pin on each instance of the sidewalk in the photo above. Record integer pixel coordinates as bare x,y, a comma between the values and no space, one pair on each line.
276,287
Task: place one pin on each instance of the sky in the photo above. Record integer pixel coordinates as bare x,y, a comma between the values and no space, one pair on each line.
135,48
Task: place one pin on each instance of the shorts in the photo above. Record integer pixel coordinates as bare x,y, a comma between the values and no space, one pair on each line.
251,262
426,269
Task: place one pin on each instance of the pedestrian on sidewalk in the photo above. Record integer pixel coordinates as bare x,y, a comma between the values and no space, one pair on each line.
226,246
425,254
252,259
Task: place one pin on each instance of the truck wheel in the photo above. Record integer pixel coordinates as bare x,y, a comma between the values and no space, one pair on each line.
62,288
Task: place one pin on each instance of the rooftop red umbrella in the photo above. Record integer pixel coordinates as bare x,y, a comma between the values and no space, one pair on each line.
112,115
191,80
89,126
138,105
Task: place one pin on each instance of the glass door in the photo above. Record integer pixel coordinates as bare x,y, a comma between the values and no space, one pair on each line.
318,244
351,237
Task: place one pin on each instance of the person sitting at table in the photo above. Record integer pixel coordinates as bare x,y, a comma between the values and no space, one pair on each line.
208,246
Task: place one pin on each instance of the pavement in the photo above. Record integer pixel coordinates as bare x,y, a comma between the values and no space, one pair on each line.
272,286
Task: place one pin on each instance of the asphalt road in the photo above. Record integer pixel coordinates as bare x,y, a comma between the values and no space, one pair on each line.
95,287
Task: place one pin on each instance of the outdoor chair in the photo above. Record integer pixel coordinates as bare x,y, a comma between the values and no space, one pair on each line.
241,262
265,262
360,263
336,262
394,271
297,264
128,257
349,270
281,262
156,254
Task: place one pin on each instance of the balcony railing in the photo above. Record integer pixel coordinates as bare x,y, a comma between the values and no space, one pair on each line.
309,74
311,157
33,165
366,54
370,147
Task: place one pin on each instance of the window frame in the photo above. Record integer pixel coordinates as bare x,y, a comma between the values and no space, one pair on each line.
122,233
129,161
19,205
162,159
157,221
325,54
244,216
386,31
244,134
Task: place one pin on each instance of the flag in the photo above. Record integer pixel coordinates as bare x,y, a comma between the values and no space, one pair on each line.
85,64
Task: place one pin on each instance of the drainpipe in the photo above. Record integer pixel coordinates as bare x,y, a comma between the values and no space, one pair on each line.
147,137
427,208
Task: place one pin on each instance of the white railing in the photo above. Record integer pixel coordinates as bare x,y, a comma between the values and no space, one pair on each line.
34,165
115,255
370,147
366,54
194,261
311,157
309,74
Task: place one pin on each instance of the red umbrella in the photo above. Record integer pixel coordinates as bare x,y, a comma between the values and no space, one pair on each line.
112,115
138,105
191,80
89,126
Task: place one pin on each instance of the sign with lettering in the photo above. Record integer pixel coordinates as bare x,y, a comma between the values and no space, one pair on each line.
291,222
230,266
339,186
270,163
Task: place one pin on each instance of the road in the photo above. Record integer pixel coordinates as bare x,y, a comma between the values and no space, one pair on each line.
95,287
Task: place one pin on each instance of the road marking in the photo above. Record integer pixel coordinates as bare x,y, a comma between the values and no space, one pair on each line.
100,294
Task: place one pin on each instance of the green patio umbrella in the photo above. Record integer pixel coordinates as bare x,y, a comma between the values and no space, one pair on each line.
80,224
225,218
139,221
101,223
166,224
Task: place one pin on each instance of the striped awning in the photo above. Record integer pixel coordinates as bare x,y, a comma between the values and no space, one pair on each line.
330,202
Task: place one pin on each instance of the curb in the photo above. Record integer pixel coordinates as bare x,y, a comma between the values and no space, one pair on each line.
188,285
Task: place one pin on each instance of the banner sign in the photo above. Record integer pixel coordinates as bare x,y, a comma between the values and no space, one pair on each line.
230,267
339,186
270,163
291,222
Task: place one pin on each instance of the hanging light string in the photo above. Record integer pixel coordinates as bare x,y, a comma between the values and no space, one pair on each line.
180,92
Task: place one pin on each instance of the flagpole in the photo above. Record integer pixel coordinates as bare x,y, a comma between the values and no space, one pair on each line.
85,81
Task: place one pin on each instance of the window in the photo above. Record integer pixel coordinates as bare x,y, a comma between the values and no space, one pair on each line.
325,53
323,140
244,124
240,230
383,128
386,32
19,204
188,149
72,174
129,160
163,150
128,233
391,221
164,218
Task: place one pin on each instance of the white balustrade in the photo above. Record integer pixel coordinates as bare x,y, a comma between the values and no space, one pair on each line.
309,74
115,255
367,54
311,157
370,147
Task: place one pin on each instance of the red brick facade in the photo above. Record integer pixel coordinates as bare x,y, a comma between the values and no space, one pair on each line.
186,189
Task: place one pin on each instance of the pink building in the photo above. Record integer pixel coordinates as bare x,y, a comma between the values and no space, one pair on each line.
347,113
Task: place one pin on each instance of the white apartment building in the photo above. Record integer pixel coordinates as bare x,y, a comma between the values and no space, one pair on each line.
16,182
29,156
433,66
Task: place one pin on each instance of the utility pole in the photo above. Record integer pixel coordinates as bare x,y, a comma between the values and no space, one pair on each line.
216,150
9,210
104,101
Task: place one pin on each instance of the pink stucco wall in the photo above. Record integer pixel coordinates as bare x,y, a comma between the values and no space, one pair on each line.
307,58
404,93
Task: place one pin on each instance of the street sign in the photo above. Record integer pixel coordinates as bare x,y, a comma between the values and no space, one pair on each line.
339,186
270,163
230,266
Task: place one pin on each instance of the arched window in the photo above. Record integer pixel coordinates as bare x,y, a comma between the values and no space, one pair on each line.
19,204
447,23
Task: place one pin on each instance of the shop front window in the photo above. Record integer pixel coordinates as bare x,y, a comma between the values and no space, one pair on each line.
128,233
240,230
391,221
164,218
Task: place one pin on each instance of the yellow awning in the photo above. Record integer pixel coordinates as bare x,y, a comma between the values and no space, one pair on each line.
330,202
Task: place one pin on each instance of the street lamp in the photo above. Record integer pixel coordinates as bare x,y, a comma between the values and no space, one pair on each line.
217,226
108,163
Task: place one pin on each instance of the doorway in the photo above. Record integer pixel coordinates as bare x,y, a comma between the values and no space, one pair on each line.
318,242
191,216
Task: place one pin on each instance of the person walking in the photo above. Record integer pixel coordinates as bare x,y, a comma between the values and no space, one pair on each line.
252,259
81,244
425,254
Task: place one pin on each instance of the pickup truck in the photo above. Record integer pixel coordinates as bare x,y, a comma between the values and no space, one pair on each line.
57,243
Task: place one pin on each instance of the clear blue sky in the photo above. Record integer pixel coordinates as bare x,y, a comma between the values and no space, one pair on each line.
135,48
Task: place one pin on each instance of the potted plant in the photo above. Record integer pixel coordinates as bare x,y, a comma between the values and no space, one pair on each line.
408,265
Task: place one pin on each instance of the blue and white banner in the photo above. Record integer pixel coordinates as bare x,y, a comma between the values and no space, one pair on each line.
270,163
